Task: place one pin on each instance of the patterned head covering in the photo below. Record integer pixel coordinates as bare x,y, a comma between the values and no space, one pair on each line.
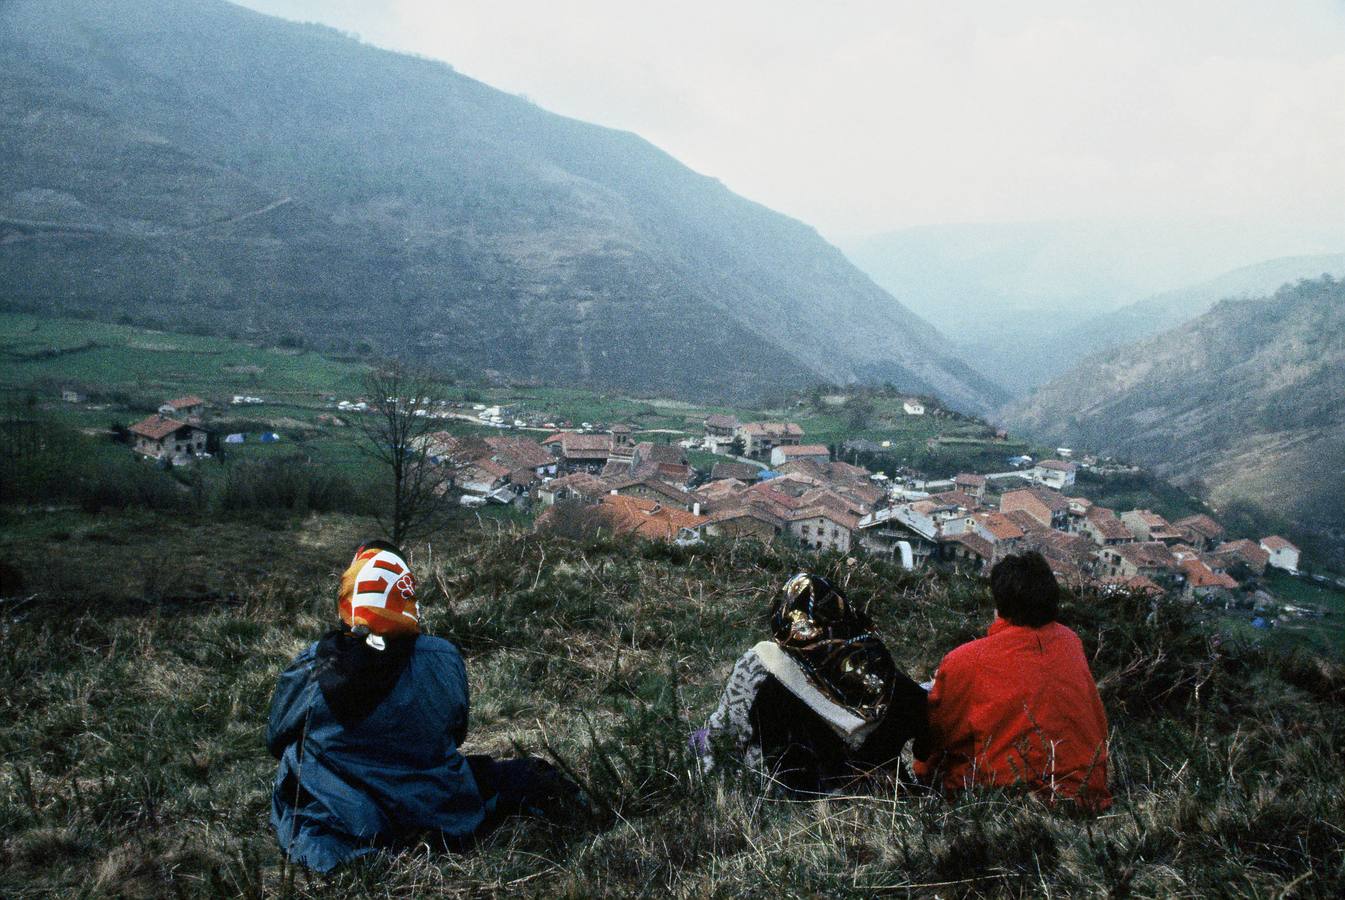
378,591
835,644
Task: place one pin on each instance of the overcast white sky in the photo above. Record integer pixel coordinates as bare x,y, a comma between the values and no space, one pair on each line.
861,117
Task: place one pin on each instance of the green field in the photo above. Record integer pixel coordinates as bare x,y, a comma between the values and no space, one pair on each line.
1326,633
127,372
144,364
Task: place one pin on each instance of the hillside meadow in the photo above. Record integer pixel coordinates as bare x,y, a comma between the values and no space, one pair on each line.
139,653
127,371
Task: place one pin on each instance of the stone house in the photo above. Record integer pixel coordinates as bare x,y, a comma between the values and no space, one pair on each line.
1200,531
649,488
1047,507
970,484
820,528
745,522
158,437
190,407
794,452
579,486
760,438
1151,559
1147,525
1105,528
580,452
1243,553
721,426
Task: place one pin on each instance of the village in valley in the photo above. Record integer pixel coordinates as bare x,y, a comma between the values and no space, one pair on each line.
766,481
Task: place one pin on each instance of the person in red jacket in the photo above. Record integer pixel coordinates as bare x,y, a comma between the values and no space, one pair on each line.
1019,705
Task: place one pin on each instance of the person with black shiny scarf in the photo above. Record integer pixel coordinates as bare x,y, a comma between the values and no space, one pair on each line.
820,708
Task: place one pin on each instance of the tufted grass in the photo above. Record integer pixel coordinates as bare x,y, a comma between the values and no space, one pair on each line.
139,659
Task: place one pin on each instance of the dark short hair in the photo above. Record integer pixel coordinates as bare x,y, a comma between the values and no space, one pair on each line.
1025,590
389,546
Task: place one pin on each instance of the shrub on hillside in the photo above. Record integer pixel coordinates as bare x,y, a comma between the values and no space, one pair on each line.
574,520
289,484
130,483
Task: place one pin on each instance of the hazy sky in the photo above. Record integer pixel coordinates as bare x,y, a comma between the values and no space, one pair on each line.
860,117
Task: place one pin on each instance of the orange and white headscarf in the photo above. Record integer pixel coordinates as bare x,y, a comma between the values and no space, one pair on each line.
379,592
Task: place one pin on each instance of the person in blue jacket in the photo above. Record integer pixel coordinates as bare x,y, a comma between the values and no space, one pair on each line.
367,723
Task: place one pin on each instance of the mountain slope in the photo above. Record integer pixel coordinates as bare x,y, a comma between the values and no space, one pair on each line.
1171,308
1249,397
204,166
1038,352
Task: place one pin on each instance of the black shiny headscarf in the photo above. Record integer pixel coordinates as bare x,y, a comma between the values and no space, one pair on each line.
835,644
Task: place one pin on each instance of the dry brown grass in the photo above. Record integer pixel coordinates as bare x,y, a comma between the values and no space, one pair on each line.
130,729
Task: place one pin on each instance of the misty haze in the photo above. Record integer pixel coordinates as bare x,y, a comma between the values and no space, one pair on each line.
614,340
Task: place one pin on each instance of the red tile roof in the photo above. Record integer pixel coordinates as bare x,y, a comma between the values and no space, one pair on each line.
1200,575
1201,524
156,428
1025,520
1000,526
1275,542
185,402
956,498
1246,550
647,518
1053,502
661,488
1146,554
520,453
788,429
748,512
487,467
738,470
845,519
574,445
804,450
581,483
976,544
1108,524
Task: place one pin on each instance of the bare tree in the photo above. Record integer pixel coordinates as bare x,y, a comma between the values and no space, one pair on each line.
395,432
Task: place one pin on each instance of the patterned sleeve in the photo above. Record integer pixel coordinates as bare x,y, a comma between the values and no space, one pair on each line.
731,721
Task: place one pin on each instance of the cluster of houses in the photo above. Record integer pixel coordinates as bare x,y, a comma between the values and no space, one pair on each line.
651,489
975,522
778,486
970,521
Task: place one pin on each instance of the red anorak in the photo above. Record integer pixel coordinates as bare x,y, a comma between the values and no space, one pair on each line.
1019,705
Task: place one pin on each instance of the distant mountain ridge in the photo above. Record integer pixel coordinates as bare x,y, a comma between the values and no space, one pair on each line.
203,166
1022,302
1248,397
1171,308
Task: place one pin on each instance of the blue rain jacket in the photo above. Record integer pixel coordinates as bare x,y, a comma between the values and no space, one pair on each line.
344,790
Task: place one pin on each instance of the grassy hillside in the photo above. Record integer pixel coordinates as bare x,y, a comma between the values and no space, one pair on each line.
128,371
139,670
205,165
1246,398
